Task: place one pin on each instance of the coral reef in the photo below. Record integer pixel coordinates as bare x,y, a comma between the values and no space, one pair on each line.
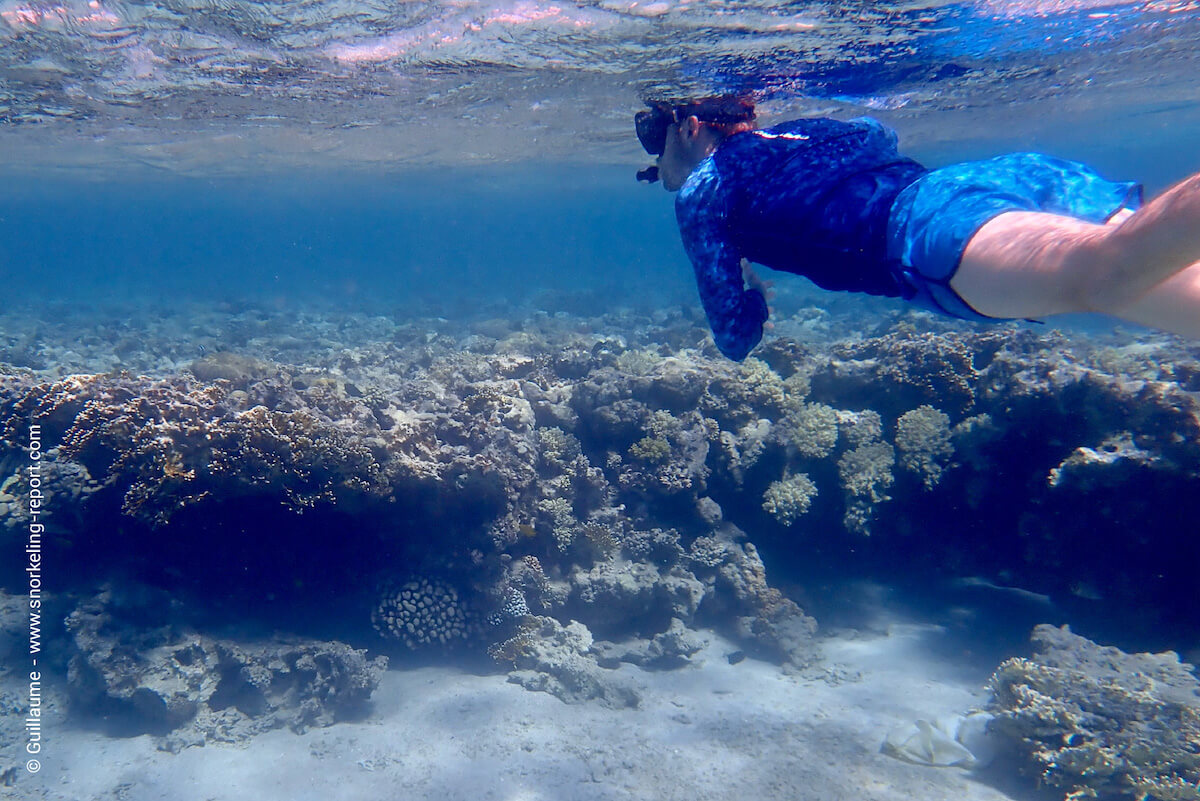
614,475
144,674
1097,722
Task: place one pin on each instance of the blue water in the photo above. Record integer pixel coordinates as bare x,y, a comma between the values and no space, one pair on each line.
290,151
446,238
398,212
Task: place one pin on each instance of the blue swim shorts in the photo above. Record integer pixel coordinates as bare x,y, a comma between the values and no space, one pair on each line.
932,220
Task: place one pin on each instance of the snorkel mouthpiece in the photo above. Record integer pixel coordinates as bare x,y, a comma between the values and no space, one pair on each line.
648,175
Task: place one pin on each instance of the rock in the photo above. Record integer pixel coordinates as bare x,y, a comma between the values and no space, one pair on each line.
557,661
1096,721
191,688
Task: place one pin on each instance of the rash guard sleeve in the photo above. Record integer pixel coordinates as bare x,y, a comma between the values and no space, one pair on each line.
735,314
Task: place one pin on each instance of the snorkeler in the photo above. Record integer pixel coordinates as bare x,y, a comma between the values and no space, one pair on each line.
1018,236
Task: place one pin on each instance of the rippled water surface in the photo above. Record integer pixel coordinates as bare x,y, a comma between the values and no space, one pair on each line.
208,86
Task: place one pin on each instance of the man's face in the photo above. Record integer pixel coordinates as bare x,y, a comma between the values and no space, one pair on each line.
673,165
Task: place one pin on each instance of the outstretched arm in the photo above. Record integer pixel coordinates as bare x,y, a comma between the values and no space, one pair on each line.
735,314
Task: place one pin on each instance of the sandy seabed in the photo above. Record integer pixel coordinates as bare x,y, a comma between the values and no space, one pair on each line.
713,730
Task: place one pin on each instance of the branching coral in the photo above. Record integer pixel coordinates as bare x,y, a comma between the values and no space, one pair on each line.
860,427
557,446
654,450
923,439
811,429
790,498
763,385
560,519
866,474
748,391
638,361
670,459
569,486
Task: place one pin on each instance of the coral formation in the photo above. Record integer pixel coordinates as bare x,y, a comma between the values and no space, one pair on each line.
667,649
812,429
923,440
671,458
554,658
1097,722
788,499
866,474
423,612
143,674
914,368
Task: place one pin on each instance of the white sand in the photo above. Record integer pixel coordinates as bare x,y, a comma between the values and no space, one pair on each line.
713,731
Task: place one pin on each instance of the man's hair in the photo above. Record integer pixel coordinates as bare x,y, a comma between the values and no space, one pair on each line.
726,114
719,109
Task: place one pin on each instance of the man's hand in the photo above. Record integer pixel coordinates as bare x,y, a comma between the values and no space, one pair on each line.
754,282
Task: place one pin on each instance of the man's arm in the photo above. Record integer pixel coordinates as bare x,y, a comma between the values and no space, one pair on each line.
735,314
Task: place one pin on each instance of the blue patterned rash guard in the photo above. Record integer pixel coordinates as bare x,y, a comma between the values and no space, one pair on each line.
810,197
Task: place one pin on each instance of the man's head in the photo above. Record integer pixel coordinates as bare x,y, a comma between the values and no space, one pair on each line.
683,134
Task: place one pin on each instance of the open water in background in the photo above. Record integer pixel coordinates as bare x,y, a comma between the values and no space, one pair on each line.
475,152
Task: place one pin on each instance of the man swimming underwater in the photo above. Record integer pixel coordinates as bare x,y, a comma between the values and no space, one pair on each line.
1018,236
